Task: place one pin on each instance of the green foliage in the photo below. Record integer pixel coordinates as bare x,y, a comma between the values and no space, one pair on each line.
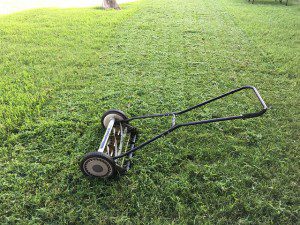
61,69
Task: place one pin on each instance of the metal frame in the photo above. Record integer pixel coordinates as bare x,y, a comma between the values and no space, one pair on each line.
174,114
118,149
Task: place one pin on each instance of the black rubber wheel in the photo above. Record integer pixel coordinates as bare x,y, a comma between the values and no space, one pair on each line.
117,114
97,164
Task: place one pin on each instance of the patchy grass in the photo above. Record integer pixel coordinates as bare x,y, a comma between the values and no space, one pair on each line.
61,69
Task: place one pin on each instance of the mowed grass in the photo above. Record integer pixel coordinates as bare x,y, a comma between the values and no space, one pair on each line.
62,69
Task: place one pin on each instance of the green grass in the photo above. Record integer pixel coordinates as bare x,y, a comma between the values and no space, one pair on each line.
61,69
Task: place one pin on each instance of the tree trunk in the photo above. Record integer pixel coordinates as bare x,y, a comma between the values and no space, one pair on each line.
110,4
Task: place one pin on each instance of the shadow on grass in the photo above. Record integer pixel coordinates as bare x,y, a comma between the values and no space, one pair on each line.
275,3
97,8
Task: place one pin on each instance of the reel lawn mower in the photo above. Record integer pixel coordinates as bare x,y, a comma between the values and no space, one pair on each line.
119,141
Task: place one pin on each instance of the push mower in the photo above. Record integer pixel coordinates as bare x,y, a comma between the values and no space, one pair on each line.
119,142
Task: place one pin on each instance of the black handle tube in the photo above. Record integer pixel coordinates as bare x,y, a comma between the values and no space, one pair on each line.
249,115
174,128
244,116
146,143
210,100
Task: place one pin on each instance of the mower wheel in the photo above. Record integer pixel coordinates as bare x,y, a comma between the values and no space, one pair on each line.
97,164
113,113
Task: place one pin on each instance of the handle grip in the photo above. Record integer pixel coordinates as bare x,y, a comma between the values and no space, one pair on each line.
262,102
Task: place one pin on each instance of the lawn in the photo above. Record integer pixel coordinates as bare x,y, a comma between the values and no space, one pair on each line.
61,69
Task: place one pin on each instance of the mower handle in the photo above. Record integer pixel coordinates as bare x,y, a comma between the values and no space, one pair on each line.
174,127
262,102
245,116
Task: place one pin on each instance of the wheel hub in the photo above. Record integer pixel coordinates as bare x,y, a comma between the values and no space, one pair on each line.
98,167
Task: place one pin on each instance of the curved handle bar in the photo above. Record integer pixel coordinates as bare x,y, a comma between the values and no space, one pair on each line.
247,115
174,127
262,102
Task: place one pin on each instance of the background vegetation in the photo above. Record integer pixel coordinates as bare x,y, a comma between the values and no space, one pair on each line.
61,69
